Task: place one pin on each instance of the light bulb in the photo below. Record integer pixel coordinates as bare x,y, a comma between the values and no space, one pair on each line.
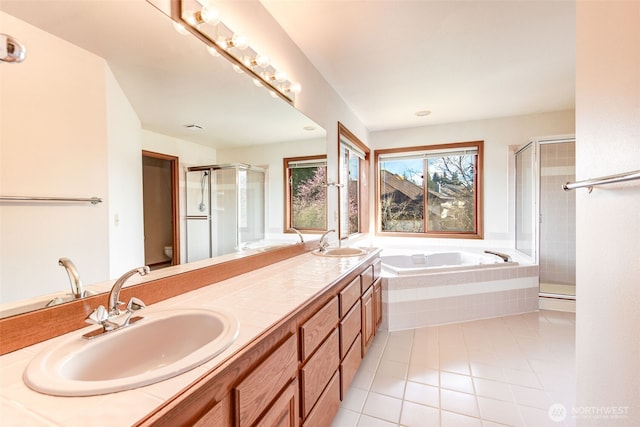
210,16
296,88
262,61
213,51
280,76
240,42
257,82
237,69
180,28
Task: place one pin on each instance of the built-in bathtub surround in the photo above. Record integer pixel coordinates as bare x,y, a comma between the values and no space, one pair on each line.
469,293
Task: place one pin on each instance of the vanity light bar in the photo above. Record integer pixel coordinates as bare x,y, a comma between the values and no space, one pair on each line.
206,25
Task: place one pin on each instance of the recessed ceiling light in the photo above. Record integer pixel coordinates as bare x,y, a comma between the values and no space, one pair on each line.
194,127
422,113
309,128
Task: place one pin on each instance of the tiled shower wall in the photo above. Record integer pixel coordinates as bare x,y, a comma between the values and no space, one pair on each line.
557,208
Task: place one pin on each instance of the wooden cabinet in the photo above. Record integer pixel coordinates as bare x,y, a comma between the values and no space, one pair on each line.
316,329
294,374
377,304
350,327
284,411
328,404
218,416
349,296
349,366
368,329
316,373
265,383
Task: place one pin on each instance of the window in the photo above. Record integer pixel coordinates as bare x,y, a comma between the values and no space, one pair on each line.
353,157
306,193
443,181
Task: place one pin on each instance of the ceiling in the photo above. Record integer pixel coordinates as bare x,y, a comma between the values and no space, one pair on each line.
461,60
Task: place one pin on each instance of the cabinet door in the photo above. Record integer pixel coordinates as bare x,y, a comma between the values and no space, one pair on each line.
367,320
377,304
284,411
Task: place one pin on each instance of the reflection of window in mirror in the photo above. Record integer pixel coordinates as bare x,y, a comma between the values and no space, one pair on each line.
354,161
306,193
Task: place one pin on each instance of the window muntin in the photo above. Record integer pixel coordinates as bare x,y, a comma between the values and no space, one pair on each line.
306,206
450,194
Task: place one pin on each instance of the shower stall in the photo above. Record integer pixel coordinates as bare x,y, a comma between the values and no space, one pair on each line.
545,213
225,209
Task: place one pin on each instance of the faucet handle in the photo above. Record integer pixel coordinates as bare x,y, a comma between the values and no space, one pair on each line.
135,304
98,316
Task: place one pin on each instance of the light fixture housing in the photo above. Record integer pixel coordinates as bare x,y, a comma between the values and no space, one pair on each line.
206,24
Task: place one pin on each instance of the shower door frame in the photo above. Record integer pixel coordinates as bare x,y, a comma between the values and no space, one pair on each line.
535,144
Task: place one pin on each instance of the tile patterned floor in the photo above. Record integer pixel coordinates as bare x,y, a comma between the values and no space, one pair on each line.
515,371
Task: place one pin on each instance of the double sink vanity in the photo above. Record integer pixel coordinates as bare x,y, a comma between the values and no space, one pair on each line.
273,341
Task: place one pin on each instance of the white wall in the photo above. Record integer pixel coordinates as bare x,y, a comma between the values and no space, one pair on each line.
270,157
53,143
125,222
608,219
498,135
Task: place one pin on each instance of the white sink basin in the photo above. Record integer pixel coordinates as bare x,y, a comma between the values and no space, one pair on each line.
339,252
162,345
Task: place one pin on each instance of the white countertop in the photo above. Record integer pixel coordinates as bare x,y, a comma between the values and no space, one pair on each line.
258,299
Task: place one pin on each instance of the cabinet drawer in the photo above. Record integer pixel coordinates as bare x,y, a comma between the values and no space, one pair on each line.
349,296
258,389
315,375
284,411
366,279
349,366
350,327
316,329
327,406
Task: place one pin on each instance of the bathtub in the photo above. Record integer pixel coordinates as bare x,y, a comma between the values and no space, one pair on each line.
440,262
434,288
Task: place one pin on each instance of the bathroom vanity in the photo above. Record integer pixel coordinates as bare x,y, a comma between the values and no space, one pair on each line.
305,324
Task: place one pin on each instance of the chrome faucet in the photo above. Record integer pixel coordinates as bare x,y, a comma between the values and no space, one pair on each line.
505,257
299,234
112,318
74,278
323,244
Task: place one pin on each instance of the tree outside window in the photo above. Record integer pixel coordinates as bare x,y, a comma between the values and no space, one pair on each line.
306,193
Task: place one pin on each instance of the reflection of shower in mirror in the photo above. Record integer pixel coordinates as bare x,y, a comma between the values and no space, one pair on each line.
202,207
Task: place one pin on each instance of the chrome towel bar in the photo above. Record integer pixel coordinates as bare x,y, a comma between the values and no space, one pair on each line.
590,183
92,200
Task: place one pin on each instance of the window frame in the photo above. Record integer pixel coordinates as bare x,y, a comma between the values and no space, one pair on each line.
288,194
345,136
477,233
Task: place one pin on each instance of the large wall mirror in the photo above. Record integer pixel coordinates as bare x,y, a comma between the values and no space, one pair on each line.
103,82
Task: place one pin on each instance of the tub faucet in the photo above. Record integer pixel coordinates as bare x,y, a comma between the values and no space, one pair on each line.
112,319
505,257
299,234
74,278
323,244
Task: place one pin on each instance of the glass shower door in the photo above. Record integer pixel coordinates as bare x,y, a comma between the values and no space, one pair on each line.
198,219
526,214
